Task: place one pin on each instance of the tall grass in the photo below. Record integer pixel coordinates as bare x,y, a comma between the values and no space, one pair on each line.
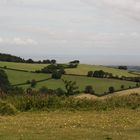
28,103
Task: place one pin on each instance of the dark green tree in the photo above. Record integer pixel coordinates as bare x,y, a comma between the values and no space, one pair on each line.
4,82
89,89
56,74
111,89
90,74
33,83
71,88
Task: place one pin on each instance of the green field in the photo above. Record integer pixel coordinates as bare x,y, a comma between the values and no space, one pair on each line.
123,124
23,66
100,85
82,69
17,77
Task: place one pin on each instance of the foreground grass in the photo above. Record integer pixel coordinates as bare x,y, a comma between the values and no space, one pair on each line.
117,124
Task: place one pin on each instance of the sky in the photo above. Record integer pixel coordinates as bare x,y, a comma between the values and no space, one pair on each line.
94,31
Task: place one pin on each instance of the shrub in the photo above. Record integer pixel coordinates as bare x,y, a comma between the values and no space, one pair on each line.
33,83
89,89
122,86
137,84
90,74
71,88
43,90
15,91
56,74
4,82
7,108
111,89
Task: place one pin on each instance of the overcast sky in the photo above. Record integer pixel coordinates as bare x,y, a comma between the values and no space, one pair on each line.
94,31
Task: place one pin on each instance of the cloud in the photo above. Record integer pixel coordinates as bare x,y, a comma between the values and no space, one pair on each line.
130,8
18,41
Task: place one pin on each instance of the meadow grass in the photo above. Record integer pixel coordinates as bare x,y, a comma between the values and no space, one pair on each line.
83,69
23,66
17,77
100,85
123,124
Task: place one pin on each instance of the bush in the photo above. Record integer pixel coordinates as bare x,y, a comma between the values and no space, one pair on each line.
6,108
56,75
71,88
33,83
4,82
15,91
111,89
89,89
37,102
122,86
90,74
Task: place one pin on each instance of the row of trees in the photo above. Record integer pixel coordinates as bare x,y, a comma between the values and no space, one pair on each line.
12,58
99,74
122,67
102,74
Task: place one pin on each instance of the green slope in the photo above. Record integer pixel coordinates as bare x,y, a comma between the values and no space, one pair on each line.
83,69
16,77
100,85
22,66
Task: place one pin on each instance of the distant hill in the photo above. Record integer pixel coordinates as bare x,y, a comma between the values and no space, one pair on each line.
134,68
10,58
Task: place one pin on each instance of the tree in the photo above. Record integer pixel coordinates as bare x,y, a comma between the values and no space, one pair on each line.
53,61
56,74
46,61
71,88
89,89
29,61
111,89
75,62
122,86
4,82
90,74
122,67
33,83
99,74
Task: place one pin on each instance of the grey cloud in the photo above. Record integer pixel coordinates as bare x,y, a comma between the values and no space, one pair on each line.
130,8
18,41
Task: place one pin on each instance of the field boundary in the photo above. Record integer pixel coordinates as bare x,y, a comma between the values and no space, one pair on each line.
38,81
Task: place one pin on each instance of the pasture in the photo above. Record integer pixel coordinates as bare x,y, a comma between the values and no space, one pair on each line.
100,85
82,69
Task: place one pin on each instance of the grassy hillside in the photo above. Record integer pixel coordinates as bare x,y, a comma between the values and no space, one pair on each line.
23,66
117,124
83,69
16,77
100,85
